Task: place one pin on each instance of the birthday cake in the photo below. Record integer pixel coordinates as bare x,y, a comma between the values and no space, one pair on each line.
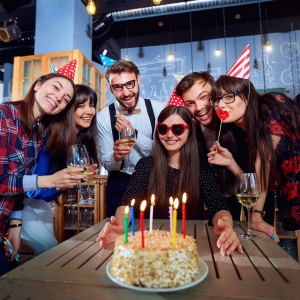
159,264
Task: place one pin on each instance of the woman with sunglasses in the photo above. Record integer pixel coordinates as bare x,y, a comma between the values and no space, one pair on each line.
260,135
174,169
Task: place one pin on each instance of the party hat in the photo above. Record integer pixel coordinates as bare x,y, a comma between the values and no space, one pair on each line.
175,99
54,69
178,78
241,68
106,61
69,69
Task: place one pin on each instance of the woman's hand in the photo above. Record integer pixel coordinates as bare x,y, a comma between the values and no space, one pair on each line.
110,232
259,224
228,240
64,179
14,236
219,155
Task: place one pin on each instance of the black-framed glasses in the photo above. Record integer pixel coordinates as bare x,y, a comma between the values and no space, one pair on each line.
226,98
177,129
118,87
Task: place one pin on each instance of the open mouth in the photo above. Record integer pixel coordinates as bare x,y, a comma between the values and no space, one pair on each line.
203,114
86,119
52,103
128,99
170,142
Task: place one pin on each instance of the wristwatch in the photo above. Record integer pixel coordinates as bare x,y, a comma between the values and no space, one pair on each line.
262,212
15,225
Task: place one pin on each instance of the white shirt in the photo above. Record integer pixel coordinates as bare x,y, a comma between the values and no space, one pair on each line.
141,122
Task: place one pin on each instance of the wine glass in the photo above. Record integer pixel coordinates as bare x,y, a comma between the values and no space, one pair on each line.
247,192
128,135
90,176
78,158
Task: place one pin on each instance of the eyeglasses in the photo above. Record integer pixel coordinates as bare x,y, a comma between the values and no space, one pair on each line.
119,86
177,129
226,98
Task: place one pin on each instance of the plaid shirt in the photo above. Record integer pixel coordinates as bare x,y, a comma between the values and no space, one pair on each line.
18,154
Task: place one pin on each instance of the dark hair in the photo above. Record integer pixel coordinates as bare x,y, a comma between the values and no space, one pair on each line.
257,122
87,136
63,128
121,66
188,176
26,105
189,80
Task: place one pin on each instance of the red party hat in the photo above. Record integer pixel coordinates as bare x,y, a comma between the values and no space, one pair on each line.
241,68
175,99
69,69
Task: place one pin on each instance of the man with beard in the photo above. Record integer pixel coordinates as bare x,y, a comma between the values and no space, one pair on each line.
129,109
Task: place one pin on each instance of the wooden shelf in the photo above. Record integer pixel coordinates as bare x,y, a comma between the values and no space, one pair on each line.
71,205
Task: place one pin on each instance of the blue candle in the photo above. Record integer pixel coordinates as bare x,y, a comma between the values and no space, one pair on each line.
132,216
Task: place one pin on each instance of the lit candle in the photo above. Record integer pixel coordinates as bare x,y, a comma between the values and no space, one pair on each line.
151,213
132,216
183,213
143,206
171,215
126,223
176,203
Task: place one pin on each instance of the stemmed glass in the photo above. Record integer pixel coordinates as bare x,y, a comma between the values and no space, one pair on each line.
90,175
128,135
78,158
247,192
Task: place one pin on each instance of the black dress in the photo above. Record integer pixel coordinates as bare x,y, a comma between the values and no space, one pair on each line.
209,190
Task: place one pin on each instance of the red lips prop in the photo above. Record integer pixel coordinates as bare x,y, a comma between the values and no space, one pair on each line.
222,114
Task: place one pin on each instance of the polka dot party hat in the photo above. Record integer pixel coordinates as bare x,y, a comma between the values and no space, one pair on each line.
69,69
175,99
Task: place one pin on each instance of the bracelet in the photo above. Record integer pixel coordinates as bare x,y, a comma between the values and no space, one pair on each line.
262,212
15,225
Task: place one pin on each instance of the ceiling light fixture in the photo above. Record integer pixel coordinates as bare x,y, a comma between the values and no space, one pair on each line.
157,1
11,32
91,7
171,56
218,51
127,56
268,43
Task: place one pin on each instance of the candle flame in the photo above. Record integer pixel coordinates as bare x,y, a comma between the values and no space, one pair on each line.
132,202
171,201
126,210
143,205
184,198
176,203
152,200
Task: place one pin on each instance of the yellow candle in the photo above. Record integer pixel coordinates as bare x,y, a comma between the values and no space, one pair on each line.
176,203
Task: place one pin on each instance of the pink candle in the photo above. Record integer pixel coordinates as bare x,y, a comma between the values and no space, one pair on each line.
171,215
183,214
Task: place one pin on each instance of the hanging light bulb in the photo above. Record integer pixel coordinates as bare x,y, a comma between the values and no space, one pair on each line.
157,1
171,56
126,57
91,7
218,51
268,46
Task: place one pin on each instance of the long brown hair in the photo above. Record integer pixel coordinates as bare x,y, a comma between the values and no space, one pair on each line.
188,176
257,121
26,105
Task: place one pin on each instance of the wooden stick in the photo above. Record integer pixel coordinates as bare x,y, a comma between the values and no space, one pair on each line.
220,130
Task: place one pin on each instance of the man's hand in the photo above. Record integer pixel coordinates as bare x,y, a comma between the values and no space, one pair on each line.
121,121
259,224
228,240
110,232
14,236
120,151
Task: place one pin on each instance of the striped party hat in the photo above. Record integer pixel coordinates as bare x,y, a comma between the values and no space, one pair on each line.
241,68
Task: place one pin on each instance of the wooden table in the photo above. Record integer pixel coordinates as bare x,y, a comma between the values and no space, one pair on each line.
75,269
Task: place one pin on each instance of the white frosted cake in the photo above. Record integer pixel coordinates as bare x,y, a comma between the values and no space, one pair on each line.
159,264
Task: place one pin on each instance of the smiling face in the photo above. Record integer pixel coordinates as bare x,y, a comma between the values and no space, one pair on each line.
127,97
52,96
84,114
196,100
170,141
235,110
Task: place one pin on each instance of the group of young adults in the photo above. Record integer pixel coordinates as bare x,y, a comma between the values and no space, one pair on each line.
174,152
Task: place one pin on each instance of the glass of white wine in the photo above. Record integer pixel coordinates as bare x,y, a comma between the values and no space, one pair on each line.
78,158
89,176
128,135
247,192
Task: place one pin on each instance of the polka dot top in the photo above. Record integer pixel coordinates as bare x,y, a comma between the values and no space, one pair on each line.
209,189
